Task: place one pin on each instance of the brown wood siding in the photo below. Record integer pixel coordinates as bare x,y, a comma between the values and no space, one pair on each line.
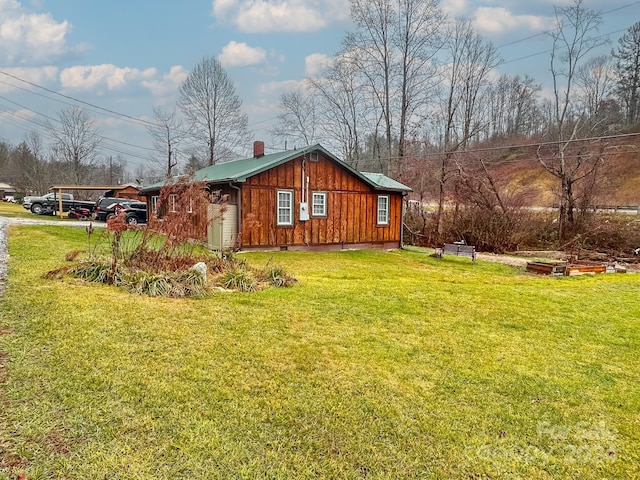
351,208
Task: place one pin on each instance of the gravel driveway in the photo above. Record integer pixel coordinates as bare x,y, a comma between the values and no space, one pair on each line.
4,227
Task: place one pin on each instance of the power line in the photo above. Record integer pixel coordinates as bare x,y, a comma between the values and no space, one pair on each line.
58,121
107,110
522,145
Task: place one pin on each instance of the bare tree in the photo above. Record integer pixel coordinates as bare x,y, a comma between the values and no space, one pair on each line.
5,157
394,46
594,80
417,39
298,118
628,69
35,175
573,38
371,47
167,135
213,109
110,171
512,107
471,60
343,107
76,141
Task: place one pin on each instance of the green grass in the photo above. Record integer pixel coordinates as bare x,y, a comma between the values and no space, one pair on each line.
377,365
16,210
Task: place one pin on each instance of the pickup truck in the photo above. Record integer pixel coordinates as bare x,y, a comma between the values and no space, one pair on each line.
48,204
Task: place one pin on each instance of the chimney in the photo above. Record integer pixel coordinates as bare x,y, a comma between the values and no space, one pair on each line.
258,149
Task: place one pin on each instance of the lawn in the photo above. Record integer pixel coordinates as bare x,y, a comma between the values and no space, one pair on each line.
16,210
376,365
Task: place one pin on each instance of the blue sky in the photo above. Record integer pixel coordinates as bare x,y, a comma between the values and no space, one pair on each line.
129,56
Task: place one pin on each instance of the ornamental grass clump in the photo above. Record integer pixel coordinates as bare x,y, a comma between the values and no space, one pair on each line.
167,284
239,278
277,277
158,259
97,272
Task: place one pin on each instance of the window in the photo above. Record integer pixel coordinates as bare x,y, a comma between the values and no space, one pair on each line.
285,207
319,204
173,202
383,210
154,203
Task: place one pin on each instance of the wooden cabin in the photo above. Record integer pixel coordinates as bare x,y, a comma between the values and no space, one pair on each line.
303,199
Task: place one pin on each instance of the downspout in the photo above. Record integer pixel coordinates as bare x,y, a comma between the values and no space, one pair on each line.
239,219
403,210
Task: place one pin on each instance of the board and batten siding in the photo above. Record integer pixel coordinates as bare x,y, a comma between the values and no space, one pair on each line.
351,208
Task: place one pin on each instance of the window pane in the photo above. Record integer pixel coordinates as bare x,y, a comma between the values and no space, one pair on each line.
383,210
285,211
319,204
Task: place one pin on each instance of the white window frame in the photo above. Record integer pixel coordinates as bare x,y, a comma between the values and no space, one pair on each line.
383,210
322,206
154,203
173,203
284,212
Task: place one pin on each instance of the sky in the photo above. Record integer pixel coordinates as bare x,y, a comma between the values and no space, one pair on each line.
120,59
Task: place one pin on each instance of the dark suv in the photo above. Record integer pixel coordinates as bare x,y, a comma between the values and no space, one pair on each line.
106,207
135,213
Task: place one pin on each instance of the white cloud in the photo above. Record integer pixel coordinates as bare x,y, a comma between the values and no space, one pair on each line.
169,84
316,63
455,8
224,8
277,88
236,54
28,38
39,75
260,16
19,115
98,76
499,20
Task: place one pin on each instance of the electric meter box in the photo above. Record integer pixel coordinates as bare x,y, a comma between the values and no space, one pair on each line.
304,211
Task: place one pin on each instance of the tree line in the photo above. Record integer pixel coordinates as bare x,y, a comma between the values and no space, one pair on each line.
409,94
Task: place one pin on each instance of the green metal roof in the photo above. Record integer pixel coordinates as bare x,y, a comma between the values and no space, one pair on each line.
238,171
386,183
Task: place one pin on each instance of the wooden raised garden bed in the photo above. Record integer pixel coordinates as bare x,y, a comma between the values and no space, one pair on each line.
571,269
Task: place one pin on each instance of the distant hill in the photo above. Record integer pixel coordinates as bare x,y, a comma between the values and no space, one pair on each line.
618,179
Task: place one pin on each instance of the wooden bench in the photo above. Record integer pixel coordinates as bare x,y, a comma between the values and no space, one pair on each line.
459,249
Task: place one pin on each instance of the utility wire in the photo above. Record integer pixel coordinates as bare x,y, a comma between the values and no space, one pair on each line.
107,110
509,147
149,124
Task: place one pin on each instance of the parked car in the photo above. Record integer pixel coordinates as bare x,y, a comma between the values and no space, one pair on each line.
49,203
135,213
106,207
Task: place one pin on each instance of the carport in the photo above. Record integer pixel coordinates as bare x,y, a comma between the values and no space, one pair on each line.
60,188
